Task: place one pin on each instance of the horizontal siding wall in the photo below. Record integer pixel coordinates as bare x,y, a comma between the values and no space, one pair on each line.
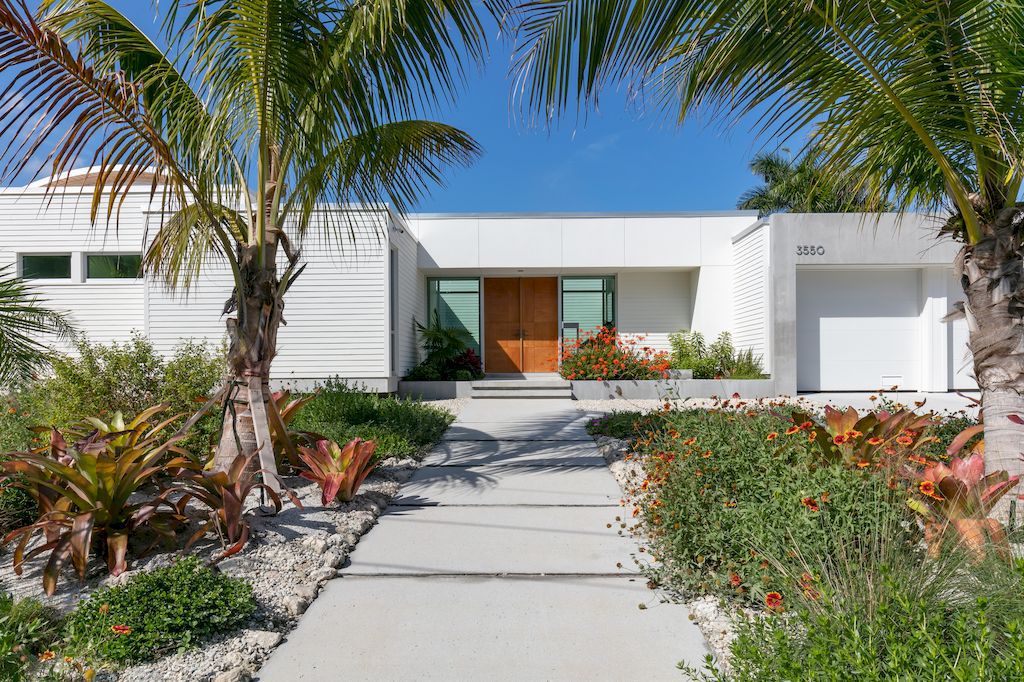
102,310
654,305
750,291
411,299
336,314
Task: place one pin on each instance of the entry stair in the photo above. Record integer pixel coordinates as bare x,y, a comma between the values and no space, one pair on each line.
512,387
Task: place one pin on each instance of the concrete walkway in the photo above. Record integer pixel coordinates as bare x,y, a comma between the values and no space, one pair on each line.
496,562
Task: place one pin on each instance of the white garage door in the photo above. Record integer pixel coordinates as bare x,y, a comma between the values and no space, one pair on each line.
858,330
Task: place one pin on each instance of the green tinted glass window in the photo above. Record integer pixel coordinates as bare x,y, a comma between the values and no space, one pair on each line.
588,302
113,266
49,266
456,302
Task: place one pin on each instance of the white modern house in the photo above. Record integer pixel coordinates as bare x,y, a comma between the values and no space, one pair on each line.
832,302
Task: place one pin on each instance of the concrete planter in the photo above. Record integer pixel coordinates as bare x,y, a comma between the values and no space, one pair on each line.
435,390
672,388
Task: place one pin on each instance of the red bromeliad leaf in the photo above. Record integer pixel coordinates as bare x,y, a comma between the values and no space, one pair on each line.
961,439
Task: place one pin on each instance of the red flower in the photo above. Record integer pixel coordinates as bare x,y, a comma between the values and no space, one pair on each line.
875,440
120,629
792,429
810,503
735,580
773,600
806,425
841,438
928,488
905,440
772,436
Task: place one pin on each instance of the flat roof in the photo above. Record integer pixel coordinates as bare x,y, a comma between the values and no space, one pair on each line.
584,214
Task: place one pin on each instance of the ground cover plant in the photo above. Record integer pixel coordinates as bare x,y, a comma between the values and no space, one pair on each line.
606,355
401,428
166,610
27,631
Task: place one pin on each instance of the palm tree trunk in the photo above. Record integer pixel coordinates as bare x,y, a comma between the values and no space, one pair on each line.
992,274
252,345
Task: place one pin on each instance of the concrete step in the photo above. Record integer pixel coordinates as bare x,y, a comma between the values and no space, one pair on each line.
500,393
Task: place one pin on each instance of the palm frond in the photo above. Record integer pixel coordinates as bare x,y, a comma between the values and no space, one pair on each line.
54,100
24,321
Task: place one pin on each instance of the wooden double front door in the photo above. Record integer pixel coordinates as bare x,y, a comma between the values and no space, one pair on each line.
520,324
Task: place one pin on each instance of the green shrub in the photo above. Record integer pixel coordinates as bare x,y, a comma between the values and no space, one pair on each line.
720,359
726,487
27,629
167,610
400,427
17,508
449,357
118,377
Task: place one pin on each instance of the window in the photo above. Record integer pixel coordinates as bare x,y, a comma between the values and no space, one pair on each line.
113,266
49,266
393,304
588,302
456,302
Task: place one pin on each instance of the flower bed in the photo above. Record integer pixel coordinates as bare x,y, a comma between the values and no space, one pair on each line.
605,355
824,518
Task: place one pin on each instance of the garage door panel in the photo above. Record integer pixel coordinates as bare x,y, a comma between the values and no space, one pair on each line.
858,330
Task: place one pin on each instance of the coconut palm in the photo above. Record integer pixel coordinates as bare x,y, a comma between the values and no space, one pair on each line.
24,322
798,185
919,102
254,115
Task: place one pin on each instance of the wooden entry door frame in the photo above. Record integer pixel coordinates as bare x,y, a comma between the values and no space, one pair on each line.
520,324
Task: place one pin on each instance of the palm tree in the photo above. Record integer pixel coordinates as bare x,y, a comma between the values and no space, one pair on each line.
798,185
24,321
256,114
919,102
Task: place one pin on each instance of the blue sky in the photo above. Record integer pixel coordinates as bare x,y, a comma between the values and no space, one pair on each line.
615,160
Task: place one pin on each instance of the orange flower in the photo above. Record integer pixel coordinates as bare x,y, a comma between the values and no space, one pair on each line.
824,497
120,629
47,655
875,440
792,429
706,454
772,436
917,459
812,436
853,433
689,441
11,410
810,503
729,504
68,659
806,578
841,438
735,580
928,488
806,425
773,600
905,440
863,464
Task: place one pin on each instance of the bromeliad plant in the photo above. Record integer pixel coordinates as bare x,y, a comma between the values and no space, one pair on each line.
284,409
339,471
223,493
956,500
868,440
95,490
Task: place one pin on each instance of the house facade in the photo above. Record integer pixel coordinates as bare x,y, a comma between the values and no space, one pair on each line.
831,302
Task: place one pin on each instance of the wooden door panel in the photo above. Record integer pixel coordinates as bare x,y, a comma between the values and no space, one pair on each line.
502,346
540,324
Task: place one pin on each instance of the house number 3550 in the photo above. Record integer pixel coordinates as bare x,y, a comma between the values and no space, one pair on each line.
810,250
